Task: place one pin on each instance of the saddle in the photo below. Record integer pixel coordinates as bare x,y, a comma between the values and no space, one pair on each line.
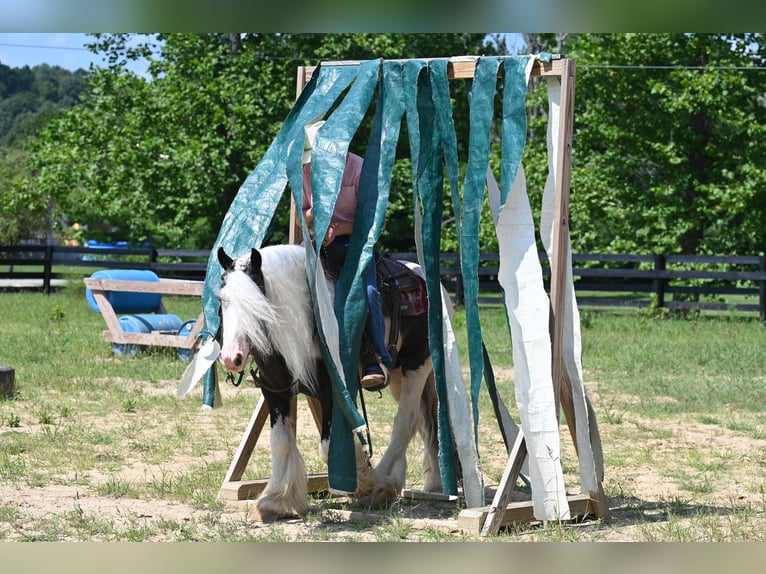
403,294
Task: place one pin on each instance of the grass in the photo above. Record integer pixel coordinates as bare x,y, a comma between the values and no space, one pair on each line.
102,425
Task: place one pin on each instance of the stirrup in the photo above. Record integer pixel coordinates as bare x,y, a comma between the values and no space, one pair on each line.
376,381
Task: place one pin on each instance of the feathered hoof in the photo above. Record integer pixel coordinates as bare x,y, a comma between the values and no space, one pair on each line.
270,510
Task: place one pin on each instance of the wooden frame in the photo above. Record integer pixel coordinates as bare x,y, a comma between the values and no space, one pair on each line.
114,332
485,520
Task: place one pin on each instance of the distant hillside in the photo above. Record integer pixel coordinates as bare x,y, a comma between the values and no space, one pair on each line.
28,96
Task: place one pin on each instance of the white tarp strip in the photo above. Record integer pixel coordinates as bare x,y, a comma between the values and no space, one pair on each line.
571,348
459,408
528,307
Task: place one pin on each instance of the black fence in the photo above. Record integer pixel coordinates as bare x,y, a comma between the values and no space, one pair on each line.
685,282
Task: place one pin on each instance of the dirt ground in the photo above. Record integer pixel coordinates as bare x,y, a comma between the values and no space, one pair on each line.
697,482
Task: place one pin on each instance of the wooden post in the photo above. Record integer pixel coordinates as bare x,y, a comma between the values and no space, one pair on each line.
762,289
659,282
7,381
560,254
48,269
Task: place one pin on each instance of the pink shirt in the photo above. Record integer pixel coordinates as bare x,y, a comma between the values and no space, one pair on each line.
342,220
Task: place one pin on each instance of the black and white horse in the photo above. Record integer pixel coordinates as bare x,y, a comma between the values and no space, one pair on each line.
267,314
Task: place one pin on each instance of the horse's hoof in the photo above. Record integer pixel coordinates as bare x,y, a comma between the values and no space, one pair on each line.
264,515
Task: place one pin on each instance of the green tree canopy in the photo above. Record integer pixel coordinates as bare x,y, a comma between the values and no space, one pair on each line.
669,152
161,159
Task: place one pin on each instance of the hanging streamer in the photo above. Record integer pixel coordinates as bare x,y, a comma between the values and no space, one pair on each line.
339,321
527,307
482,95
248,219
245,224
457,402
430,187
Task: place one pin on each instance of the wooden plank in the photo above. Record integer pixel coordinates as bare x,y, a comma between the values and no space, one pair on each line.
459,67
107,312
507,482
232,487
251,489
165,286
155,339
560,248
247,444
410,494
472,519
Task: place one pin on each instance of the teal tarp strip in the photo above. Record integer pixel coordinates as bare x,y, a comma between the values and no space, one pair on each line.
247,220
328,162
250,214
430,188
412,70
481,97
514,121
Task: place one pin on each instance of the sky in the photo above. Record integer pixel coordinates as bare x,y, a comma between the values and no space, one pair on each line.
56,49
68,51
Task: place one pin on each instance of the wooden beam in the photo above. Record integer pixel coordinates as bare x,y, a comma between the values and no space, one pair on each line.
247,444
233,487
472,519
164,286
507,482
560,246
252,489
460,67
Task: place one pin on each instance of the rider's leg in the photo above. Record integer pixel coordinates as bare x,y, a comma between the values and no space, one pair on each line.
375,373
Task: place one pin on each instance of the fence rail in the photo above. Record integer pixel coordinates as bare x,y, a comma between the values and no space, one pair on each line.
634,280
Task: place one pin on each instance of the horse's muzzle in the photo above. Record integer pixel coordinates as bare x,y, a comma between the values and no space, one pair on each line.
234,362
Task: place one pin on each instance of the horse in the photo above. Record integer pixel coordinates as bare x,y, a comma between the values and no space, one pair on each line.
267,314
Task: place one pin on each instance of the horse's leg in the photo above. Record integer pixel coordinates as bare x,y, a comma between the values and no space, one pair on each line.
391,472
286,492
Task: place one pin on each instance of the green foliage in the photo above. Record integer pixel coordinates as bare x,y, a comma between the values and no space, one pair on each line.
29,98
669,152
161,159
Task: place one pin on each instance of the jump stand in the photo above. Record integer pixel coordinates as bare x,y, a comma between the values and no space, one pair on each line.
115,334
489,519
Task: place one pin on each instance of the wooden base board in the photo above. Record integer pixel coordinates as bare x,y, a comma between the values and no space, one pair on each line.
472,519
251,489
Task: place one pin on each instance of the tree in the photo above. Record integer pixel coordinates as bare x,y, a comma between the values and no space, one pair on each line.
29,98
669,151
162,159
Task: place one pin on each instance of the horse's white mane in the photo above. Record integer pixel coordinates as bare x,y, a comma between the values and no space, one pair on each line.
283,319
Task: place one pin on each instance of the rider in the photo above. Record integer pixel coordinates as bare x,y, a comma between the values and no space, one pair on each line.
335,246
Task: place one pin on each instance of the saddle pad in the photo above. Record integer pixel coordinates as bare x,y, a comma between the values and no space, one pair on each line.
395,278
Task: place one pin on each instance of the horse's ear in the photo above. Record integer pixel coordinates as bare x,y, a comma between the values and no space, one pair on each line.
255,260
224,259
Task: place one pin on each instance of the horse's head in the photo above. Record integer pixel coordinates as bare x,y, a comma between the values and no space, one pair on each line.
246,313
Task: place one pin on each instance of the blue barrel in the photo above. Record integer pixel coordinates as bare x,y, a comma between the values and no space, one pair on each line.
186,354
124,301
144,324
